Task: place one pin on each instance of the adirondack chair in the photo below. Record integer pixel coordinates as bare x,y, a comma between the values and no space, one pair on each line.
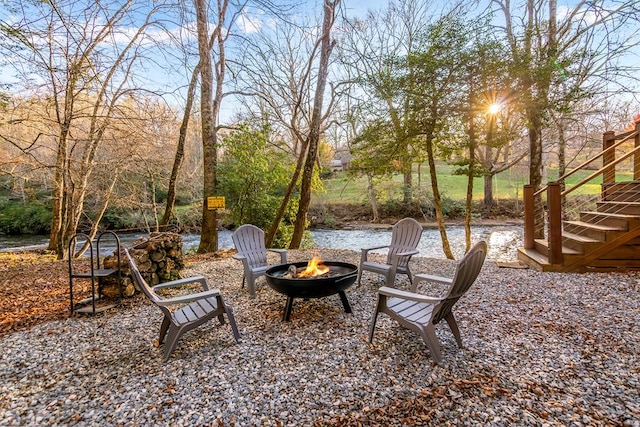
421,313
249,242
183,313
405,237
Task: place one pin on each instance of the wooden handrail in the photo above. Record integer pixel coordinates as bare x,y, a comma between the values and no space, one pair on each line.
587,162
599,171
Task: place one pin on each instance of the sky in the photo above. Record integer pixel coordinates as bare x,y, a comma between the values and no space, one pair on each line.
251,21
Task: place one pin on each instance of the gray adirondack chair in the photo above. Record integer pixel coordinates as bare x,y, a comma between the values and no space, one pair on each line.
185,312
405,237
421,313
249,242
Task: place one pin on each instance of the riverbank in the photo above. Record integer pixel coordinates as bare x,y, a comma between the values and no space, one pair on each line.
540,349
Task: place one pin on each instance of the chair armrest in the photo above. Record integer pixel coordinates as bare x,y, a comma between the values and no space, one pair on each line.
434,279
421,277
395,258
278,251
188,298
281,252
409,253
364,250
411,296
181,282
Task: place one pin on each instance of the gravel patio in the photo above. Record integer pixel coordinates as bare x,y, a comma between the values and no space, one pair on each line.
540,349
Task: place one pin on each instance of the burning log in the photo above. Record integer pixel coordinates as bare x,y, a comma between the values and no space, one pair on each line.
314,269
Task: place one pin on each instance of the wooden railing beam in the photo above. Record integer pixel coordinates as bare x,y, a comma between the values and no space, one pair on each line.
554,233
636,157
529,216
609,171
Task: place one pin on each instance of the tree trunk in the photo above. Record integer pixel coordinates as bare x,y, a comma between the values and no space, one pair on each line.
179,157
271,233
209,231
373,200
488,190
470,172
407,180
535,166
437,201
316,120
562,159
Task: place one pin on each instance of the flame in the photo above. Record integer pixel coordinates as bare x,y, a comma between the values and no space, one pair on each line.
315,267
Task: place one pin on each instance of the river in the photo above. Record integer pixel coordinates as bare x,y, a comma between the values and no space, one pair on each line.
503,240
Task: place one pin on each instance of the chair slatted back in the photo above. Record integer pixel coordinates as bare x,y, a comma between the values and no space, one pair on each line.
467,271
405,237
142,284
249,242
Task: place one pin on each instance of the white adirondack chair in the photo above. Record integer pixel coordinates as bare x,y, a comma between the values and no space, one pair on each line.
405,237
185,312
421,313
249,242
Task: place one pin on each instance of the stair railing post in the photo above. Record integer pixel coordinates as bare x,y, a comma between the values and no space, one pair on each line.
529,216
636,157
609,174
554,233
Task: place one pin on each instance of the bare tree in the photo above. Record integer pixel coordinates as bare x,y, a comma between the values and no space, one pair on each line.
280,68
76,53
557,58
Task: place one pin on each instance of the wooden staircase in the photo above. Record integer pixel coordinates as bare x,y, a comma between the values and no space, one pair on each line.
607,239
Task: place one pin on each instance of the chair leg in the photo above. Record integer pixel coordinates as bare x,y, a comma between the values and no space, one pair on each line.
453,325
172,341
244,279
388,281
374,318
431,340
251,285
163,329
359,276
232,322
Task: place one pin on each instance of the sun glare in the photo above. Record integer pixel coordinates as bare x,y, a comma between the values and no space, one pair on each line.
494,108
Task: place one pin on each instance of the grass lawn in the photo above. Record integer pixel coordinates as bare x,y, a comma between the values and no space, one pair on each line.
507,185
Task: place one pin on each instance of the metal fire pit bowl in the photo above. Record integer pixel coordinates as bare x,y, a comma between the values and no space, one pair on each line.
341,277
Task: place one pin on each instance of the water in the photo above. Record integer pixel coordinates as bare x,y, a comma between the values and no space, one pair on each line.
503,241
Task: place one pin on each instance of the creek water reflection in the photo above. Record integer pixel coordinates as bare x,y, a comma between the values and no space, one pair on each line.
503,240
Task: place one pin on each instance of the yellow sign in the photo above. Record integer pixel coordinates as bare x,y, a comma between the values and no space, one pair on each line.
215,202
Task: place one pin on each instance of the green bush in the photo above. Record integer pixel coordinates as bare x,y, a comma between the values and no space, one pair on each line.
122,219
253,176
23,218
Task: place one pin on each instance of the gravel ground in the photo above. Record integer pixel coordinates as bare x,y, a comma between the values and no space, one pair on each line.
540,349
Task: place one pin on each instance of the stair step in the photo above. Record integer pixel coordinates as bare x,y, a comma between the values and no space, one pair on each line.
608,219
623,196
628,191
594,231
542,246
535,259
624,208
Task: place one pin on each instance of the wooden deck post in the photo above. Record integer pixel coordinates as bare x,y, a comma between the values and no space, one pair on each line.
554,233
529,216
609,174
636,157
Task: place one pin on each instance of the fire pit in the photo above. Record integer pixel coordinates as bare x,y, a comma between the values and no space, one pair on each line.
320,279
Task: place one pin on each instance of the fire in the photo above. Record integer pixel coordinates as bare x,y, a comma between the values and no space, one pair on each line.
315,267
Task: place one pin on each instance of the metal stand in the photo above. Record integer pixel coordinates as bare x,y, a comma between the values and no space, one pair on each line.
97,302
286,315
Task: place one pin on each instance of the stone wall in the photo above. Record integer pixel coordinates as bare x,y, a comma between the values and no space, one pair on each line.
158,257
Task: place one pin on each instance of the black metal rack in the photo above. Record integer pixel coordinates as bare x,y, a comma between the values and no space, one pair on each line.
97,302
